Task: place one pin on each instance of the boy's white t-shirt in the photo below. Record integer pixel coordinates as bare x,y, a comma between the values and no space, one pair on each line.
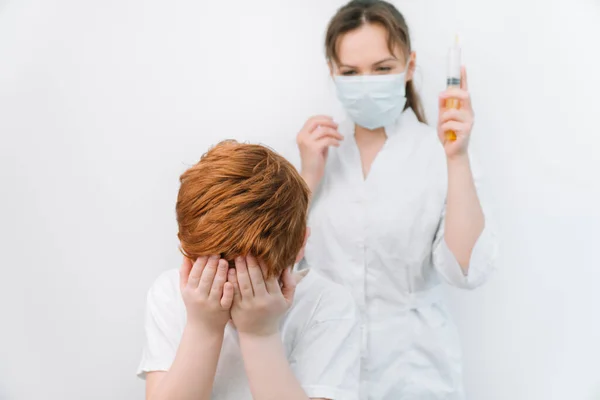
320,333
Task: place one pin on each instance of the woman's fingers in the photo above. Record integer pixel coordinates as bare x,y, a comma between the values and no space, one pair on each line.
208,275
256,276
326,131
457,127
243,279
196,272
216,291
452,114
455,109
328,142
455,93
319,120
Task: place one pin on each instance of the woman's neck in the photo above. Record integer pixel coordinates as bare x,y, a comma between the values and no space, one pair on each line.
369,143
368,137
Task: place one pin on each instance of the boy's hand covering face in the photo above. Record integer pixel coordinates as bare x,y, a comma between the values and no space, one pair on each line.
206,293
259,303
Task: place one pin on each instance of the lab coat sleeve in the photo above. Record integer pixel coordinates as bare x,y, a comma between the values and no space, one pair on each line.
483,256
161,327
326,357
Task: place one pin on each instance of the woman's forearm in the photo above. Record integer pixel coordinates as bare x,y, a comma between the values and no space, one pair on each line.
311,181
268,370
193,371
464,216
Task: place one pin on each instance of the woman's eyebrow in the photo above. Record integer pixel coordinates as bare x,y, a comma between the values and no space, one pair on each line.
386,59
377,63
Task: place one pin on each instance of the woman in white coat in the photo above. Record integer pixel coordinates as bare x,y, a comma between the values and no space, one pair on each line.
395,209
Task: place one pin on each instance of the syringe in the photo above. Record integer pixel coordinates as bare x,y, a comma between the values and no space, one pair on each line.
453,80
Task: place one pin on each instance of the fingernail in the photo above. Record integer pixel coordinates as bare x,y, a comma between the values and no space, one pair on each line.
239,259
214,257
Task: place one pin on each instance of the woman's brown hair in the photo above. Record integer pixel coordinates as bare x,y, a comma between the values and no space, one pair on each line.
243,199
359,12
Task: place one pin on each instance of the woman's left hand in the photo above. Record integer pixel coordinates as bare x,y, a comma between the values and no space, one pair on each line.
458,120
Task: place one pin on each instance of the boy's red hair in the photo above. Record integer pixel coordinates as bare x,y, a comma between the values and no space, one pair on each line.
243,199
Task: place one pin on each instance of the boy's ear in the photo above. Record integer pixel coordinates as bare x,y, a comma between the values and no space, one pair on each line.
301,253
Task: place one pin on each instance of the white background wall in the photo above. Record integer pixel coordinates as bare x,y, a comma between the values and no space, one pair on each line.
103,104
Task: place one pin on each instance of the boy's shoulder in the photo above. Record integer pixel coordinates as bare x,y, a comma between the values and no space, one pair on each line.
165,294
166,284
324,298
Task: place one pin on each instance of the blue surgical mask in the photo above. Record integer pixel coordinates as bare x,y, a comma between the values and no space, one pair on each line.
372,101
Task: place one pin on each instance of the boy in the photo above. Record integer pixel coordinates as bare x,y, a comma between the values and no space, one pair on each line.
238,324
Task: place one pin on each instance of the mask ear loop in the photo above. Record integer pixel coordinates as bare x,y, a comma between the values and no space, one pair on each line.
406,69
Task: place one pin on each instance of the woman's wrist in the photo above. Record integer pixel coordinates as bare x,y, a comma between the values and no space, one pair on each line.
458,161
311,179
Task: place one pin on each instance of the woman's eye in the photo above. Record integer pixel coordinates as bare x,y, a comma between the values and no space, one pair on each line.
384,69
347,73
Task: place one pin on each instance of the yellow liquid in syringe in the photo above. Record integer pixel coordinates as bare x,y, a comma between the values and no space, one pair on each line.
451,103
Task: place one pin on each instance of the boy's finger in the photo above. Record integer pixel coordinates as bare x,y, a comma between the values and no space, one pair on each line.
184,271
288,287
271,283
243,278
256,276
196,272
232,278
216,291
208,275
228,294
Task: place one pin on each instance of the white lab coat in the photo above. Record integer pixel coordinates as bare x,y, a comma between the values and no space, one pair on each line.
383,238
